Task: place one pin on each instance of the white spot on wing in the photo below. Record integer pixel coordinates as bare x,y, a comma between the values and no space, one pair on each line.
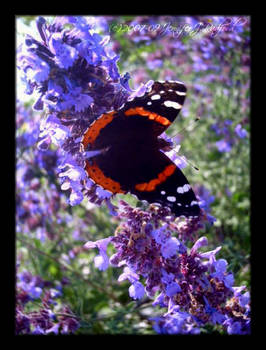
186,187
171,198
155,97
149,103
163,192
176,81
180,189
172,104
180,93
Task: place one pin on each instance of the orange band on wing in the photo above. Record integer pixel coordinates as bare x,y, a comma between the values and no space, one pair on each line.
96,174
152,116
94,129
150,186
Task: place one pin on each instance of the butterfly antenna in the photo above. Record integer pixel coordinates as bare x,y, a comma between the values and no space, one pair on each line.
189,163
189,127
184,159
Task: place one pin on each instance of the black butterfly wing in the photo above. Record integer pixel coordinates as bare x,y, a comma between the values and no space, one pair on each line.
167,186
152,177
164,100
143,118
130,160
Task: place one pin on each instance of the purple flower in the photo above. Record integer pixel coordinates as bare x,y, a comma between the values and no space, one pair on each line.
229,280
220,273
228,122
238,290
141,90
38,330
54,329
136,290
72,171
101,193
153,64
71,176
205,199
76,99
101,261
65,54
244,299
111,65
112,208
160,300
35,69
52,131
223,129
30,285
124,81
40,73
129,274
22,323
42,320
160,235
183,280
177,323
172,288
201,242
210,255
216,128
170,247
216,317
242,133
233,327
220,267
34,168
35,292
223,146
77,79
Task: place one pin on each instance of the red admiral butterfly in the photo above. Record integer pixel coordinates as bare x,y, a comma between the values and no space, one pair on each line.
131,159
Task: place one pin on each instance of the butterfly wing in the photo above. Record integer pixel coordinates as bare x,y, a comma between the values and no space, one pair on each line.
160,105
167,185
130,160
143,117
152,177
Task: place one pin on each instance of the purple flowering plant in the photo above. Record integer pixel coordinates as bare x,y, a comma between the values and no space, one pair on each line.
47,319
171,267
